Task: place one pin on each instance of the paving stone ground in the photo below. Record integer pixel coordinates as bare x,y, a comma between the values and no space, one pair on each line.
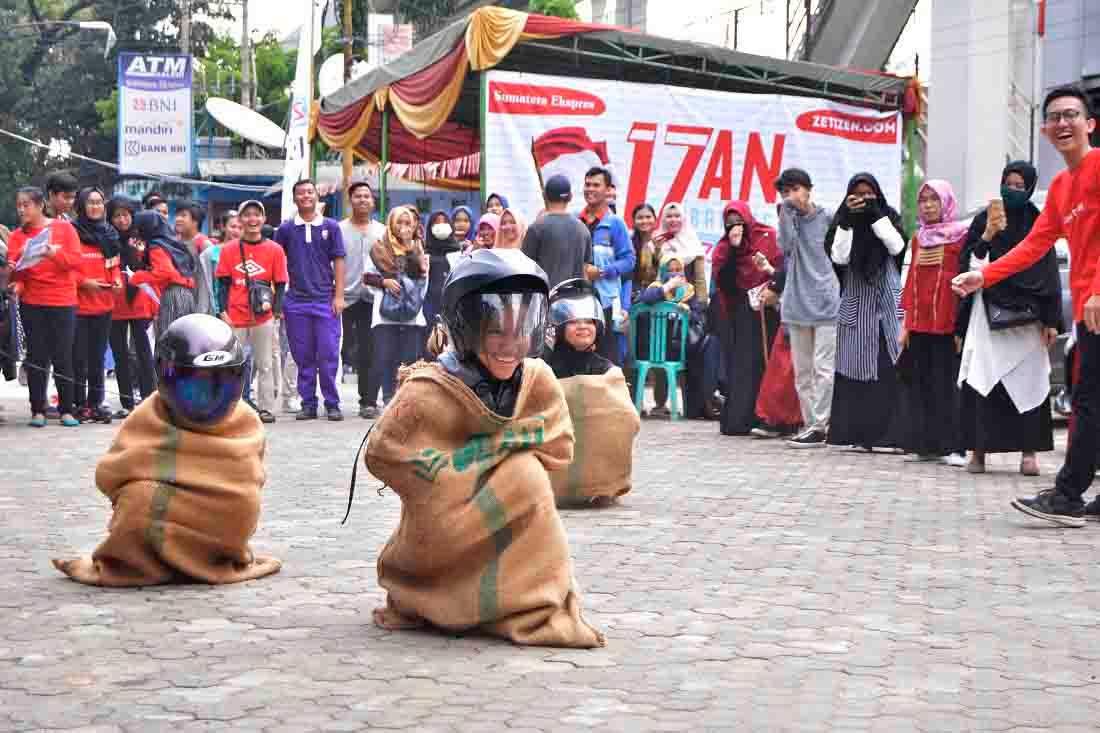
742,586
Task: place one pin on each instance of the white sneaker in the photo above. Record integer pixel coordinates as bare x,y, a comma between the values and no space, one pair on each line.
954,459
292,405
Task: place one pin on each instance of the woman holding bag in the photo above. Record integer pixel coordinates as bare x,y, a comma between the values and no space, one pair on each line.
1005,374
398,270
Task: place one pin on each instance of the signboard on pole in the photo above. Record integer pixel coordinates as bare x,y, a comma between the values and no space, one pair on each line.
154,113
663,144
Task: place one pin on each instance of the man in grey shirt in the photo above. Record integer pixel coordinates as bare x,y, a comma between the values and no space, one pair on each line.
360,232
558,241
809,304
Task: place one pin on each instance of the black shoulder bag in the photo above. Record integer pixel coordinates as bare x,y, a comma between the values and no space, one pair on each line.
259,291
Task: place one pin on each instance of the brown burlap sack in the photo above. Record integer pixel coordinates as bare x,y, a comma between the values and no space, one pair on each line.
604,426
185,503
480,544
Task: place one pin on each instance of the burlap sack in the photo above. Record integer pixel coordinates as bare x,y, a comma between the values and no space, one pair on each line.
604,426
480,544
185,503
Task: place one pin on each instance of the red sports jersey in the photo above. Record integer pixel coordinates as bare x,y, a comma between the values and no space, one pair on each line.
52,280
94,266
266,262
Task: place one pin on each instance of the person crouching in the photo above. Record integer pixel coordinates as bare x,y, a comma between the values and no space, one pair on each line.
467,444
184,472
605,422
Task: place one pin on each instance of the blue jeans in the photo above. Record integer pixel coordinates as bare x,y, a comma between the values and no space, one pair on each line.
393,346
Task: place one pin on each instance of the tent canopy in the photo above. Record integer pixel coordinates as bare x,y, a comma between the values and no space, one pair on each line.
436,106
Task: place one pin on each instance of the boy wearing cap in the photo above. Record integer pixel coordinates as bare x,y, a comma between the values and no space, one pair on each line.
557,241
809,304
245,268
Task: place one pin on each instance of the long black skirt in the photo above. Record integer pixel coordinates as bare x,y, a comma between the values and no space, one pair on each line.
993,424
742,337
868,414
930,370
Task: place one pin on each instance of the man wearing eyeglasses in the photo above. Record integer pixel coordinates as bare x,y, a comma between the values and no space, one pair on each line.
1072,210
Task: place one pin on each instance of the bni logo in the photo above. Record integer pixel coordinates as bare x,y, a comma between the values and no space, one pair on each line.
170,66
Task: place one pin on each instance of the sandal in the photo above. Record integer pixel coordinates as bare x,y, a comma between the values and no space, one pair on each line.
265,416
37,421
1029,466
976,464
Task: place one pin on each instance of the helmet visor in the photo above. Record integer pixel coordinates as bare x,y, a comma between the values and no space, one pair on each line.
201,397
512,325
582,307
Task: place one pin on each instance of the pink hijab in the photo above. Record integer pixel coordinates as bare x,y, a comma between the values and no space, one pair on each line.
947,231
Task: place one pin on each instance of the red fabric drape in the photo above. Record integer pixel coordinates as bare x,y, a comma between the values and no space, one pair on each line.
426,84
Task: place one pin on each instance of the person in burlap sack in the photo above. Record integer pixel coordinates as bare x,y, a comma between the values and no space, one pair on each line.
184,472
605,422
467,444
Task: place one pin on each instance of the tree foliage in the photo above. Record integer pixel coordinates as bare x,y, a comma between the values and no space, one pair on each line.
558,8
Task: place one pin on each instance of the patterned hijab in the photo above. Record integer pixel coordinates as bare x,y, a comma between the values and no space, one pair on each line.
947,230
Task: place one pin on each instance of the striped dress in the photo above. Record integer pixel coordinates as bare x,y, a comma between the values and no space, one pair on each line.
865,309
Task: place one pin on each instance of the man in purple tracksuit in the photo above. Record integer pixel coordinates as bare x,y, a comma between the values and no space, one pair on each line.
315,260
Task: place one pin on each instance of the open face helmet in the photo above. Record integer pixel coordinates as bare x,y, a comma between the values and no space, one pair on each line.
200,368
494,302
574,300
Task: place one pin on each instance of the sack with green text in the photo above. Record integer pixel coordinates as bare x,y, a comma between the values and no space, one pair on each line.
480,544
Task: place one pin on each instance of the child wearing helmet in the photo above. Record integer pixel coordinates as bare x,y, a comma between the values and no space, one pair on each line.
604,420
185,471
467,443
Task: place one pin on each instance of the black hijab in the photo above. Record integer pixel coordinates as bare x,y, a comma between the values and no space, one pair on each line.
568,362
96,232
153,229
869,254
1039,287
436,247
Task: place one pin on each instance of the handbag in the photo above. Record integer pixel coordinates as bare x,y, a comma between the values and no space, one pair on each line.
405,306
1001,318
259,291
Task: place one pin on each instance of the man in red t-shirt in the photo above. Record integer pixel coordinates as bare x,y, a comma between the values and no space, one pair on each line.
254,262
1072,210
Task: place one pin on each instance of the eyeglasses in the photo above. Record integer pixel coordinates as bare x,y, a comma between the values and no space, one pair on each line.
1069,115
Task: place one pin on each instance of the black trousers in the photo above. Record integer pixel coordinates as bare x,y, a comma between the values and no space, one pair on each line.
358,347
89,346
49,331
608,344
1080,467
145,376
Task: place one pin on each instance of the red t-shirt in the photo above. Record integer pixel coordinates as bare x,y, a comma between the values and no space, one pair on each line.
266,263
94,266
52,281
1072,210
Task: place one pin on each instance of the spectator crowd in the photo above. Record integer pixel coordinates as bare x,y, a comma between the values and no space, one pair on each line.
836,327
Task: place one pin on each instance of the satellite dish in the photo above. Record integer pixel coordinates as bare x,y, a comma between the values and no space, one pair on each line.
331,76
250,125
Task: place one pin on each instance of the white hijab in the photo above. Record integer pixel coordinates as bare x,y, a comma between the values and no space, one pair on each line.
685,245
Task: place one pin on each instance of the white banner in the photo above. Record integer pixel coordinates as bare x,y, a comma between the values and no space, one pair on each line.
154,113
663,143
298,153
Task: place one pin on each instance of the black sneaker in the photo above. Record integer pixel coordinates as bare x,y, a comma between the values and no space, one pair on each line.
808,439
121,414
306,413
334,414
1092,510
368,413
1053,506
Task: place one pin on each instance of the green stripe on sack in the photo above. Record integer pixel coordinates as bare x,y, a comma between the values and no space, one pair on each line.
496,518
166,488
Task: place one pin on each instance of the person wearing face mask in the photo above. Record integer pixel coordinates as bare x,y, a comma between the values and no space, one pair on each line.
605,422
749,316
443,250
1005,374
398,269
866,237
468,444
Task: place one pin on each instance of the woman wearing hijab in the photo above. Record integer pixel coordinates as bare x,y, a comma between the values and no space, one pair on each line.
513,228
677,236
488,228
134,310
443,250
495,204
747,330
1005,377
97,280
462,221
169,268
866,236
928,332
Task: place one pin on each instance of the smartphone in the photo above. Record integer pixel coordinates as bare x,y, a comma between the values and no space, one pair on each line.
996,208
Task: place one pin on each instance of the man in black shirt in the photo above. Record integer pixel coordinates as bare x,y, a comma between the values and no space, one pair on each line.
558,241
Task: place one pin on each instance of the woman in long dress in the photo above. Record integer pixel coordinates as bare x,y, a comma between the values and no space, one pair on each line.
866,237
746,332
1015,360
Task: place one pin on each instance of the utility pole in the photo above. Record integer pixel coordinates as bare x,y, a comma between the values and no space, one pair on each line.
185,27
246,58
736,24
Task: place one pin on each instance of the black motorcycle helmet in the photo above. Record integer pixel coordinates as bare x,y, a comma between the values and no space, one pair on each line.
494,287
574,300
200,368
